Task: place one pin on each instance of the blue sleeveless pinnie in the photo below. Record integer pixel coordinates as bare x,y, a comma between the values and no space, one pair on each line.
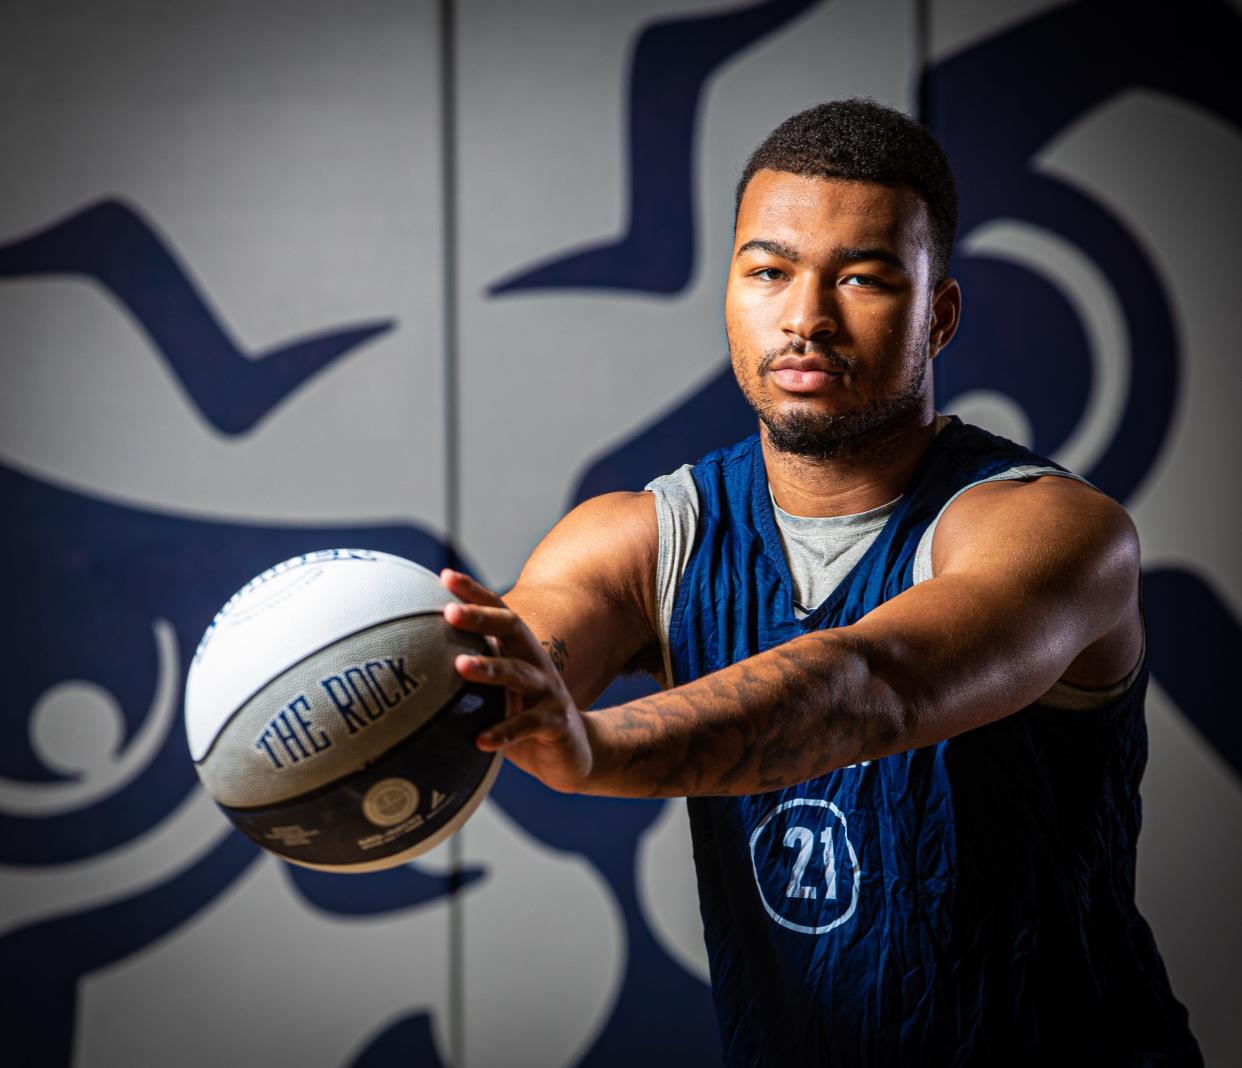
968,903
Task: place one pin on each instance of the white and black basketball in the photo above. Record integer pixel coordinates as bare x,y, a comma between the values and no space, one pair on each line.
326,719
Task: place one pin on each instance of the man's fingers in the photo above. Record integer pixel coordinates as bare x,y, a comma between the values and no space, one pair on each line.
498,622
464,587
517,675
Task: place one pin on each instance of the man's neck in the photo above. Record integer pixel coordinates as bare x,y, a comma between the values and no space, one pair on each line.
851,481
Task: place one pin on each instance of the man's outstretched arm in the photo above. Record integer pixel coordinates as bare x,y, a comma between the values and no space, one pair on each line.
1028,576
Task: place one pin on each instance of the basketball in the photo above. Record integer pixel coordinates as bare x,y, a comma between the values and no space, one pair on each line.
325,718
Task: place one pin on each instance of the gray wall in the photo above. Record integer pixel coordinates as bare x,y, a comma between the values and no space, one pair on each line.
190,189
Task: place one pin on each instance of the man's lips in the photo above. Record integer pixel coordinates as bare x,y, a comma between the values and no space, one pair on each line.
794,381
803,374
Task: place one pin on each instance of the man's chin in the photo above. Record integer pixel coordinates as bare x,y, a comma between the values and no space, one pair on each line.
804,430
801,435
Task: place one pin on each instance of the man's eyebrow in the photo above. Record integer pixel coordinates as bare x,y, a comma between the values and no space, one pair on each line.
843,254
776,248
840,254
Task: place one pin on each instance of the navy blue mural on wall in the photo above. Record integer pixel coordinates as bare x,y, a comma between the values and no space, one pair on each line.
110,244
671,63
113,600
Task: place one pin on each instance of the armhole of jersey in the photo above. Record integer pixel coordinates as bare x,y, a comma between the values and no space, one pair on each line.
677,517
1020,473
1064,695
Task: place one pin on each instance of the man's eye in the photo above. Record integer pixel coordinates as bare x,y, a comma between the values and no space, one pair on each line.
864,280
769,274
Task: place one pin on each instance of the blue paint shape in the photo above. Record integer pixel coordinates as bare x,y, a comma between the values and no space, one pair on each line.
663,1015
408,1043
42,965
112,244
995,106
715,416
1194,641
672,61
1039,357
88,578
373,893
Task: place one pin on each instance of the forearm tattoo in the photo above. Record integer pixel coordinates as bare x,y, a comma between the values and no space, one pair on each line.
779,718
558,651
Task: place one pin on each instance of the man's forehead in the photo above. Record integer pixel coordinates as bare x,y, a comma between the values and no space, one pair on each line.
809,210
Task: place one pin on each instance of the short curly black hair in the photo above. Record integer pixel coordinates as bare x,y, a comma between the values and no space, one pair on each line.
861,140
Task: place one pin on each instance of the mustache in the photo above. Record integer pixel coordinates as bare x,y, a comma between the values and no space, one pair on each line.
838,361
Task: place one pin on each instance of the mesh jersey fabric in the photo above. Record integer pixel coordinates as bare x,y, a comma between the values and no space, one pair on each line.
820,551
967,903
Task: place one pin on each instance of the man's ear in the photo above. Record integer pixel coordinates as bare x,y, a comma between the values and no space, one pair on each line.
946,313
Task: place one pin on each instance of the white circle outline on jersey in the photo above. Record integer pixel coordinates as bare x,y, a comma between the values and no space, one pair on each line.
815,803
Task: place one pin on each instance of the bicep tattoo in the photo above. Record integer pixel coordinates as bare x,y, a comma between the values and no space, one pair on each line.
558,651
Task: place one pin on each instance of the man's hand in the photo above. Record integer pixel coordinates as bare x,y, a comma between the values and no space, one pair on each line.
543,733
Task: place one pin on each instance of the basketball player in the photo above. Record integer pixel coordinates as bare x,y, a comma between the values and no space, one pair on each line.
903,661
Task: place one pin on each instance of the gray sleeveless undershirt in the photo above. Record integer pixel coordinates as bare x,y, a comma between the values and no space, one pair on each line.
821,551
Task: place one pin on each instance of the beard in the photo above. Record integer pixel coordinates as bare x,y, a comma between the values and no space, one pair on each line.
815,435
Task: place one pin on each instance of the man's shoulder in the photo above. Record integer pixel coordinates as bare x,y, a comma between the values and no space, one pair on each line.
1057,542
680,480
1032,487
621,514
1060,518
604,541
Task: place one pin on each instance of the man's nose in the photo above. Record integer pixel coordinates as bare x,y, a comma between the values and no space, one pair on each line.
810,309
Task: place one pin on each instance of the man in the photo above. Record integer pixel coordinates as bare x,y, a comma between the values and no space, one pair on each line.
903,658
